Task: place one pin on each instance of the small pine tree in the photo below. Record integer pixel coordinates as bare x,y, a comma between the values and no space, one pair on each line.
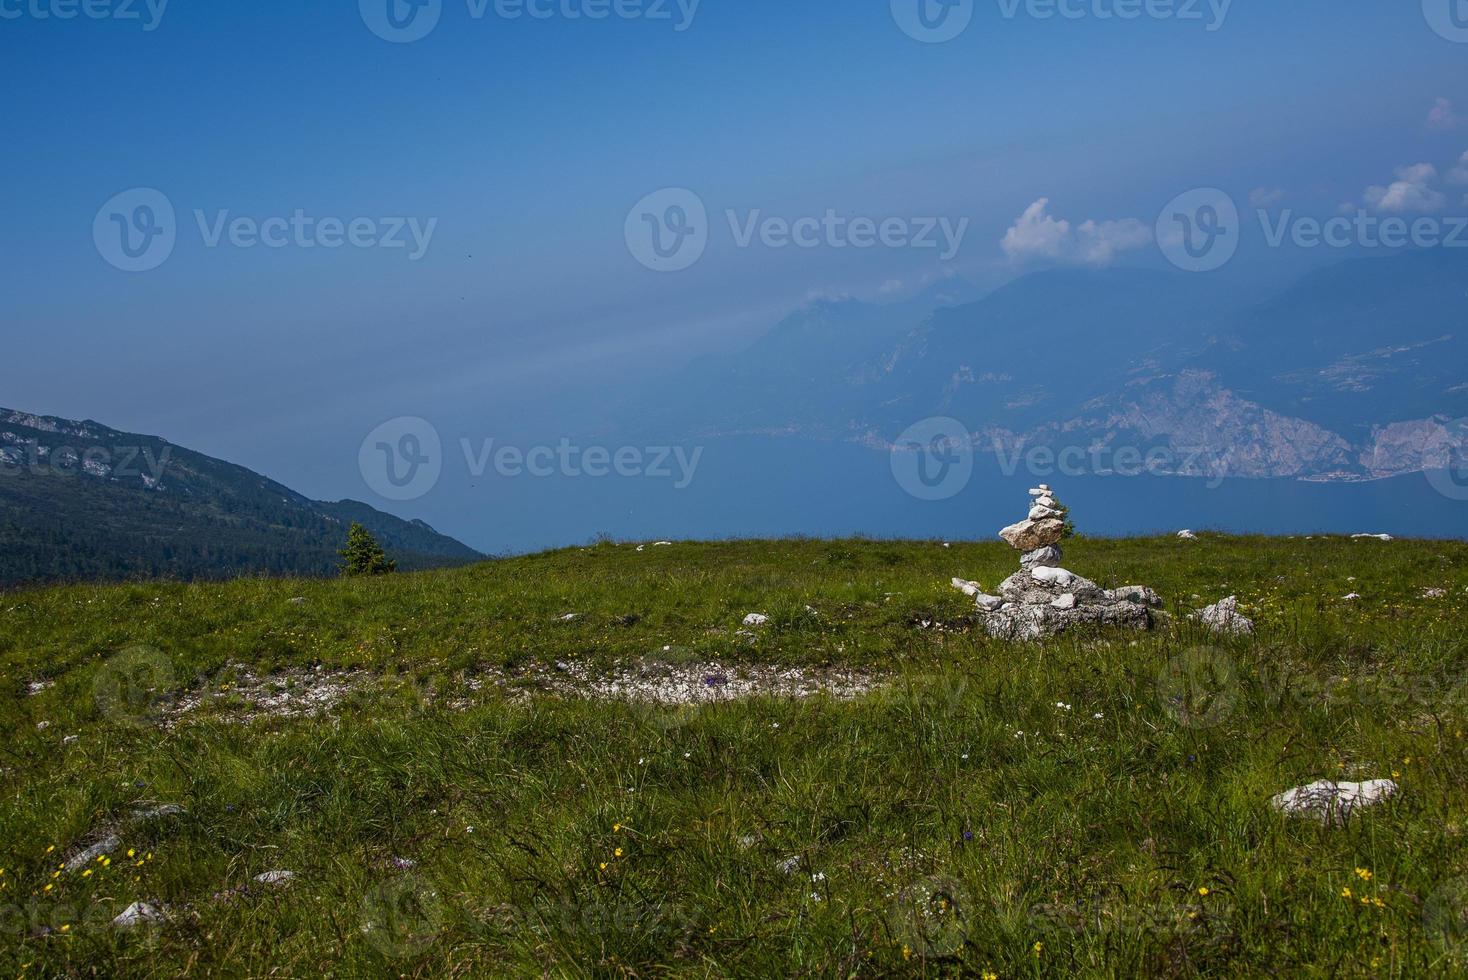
363,555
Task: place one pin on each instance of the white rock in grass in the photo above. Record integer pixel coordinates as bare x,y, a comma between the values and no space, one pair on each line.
137,914
1434,593
756,619
1224,617
568,617
989,603
1332,802
105,846
967,588
157,812
1187,536
1351,598
1048,575
275,878
1372,537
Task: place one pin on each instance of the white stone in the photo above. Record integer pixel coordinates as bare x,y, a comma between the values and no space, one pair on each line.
568,617
967,588
1187,535
1352,597
1037,492
1053,576
1332,802
1039,512
1045,487
989,603
1066,601
1224,617
1372,537
137,914
275,877
105,846
1048,501
756,619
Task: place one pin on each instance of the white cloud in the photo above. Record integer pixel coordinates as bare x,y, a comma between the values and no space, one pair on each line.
1037,235
1263,197
1411,191
1442,115
1459,173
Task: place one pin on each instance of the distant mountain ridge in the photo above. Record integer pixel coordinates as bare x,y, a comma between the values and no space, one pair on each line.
80,500
1356,371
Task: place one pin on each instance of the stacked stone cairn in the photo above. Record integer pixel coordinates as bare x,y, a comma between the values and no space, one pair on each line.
1042,598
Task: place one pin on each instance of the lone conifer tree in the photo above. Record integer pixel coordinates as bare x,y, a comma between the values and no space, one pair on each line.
363,555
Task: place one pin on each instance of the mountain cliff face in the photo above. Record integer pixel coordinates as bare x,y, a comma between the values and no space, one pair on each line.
79,500
1355,372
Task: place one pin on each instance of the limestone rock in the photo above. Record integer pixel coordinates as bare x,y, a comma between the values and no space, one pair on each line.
105,846
1224,617
1136,593
137,914
1030,535
756,619
1040,512
1331,802
1187,536
275,877
967,588
1042,557
1067,601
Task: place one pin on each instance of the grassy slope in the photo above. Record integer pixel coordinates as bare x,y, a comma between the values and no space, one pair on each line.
958,817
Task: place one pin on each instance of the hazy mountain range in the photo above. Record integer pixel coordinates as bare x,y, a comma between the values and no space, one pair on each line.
1357,371
79,500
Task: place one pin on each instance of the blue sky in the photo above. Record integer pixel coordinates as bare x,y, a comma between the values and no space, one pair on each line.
526,141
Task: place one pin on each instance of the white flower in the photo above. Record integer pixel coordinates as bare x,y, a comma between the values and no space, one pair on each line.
1098,716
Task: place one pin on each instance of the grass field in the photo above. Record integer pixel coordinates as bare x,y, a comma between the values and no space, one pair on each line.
1096,805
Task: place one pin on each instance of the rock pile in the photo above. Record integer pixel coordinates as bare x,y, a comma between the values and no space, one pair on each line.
1042,598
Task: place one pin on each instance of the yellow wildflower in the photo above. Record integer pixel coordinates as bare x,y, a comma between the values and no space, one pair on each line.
87,873
1363,874
1203,891
1345,893
906,951
1038,948
617,852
